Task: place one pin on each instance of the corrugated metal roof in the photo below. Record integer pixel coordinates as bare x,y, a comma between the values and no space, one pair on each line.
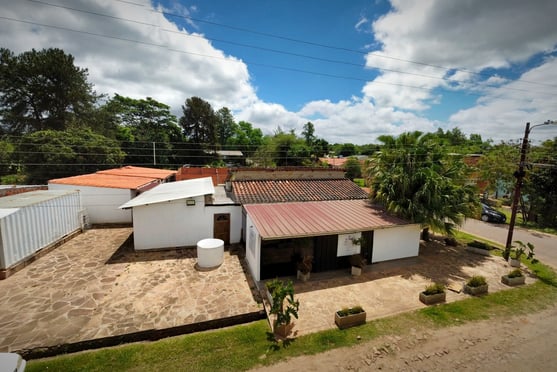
139,171
289,220
173,191
106,180
295,190
32,197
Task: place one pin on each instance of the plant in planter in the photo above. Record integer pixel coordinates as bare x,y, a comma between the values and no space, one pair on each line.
350,317
517,252
479,248
515,277
283,307
433,294
358,262
476,285
305,265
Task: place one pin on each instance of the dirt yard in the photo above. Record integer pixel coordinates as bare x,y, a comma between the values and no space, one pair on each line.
523,343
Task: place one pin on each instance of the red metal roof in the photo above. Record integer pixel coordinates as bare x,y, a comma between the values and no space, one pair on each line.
295,190
289,220
218,175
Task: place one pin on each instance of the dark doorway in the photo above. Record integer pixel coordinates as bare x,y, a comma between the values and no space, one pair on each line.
221,227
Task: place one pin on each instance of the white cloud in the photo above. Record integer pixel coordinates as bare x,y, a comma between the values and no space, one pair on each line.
161,61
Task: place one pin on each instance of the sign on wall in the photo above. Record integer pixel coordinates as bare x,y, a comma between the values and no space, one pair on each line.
346,246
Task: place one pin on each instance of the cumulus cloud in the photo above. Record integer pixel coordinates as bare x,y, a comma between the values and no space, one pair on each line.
148,56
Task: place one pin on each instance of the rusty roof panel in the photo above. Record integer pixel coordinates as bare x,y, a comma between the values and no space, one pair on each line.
289,220
139,172
107,180
295,190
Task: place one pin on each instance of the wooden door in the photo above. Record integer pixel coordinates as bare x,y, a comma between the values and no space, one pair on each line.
325,253
221,227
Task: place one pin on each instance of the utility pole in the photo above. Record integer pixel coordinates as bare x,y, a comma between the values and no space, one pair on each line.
154,155
519,174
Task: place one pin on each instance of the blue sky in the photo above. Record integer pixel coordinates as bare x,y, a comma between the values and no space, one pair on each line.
392,66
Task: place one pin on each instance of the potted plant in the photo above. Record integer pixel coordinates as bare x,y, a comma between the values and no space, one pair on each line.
476,285
433,293
479,248
515,277
350,317
283,307
517,252
304,268
358,262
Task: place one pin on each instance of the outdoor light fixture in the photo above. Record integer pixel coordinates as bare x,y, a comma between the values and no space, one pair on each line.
519,174
190,202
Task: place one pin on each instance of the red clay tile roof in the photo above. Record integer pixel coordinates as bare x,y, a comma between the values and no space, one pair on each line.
289,220
108,180
139,171
280,191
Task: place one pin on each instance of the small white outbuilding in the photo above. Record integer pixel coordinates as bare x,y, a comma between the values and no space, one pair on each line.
35,220
179,214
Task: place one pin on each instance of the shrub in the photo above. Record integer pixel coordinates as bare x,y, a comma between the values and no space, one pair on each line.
476,281
350,310
480,245
434,289
516,273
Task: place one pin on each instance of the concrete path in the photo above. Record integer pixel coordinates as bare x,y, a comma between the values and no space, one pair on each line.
546,244
95,286
393,287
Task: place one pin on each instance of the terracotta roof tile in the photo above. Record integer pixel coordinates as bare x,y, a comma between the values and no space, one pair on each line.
139,171
297,190
108,180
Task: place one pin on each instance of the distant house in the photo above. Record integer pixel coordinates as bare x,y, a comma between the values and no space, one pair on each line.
104,191
32,222
181,213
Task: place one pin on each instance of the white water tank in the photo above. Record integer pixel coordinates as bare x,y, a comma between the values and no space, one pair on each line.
210,253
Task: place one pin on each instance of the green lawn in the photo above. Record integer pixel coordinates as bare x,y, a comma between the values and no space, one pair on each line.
246,346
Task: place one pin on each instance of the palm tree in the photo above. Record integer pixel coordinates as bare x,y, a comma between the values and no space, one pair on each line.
413,177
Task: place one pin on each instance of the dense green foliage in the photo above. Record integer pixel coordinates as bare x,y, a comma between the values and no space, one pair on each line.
414,177
353,168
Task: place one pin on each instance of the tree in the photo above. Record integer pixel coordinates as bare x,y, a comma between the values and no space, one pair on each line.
347,149
146,128
308,133
6,154
226,126
199,124
413,177
54,154
42,90
353,168
497,166
245,138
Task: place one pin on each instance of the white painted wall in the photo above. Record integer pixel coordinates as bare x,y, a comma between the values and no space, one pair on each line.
235,219
396,242
170,224
253,249
102,203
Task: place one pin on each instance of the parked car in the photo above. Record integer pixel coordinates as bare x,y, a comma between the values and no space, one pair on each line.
491,215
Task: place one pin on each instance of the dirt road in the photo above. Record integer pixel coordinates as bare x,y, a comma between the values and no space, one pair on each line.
523,343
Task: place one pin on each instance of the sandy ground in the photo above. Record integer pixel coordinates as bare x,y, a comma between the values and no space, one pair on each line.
522,343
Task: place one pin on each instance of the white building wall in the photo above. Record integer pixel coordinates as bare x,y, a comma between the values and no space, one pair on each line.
396,242
253,249
31,228
102,203
171,224
235,220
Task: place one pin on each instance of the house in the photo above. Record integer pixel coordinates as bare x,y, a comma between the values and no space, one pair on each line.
33,222
104,191
181,213
291,213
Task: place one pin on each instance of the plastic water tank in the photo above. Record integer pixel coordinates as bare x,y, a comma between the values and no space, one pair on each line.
210,253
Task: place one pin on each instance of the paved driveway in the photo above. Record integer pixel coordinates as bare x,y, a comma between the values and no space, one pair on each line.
95,286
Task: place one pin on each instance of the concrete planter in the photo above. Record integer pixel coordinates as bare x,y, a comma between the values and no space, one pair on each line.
519,280
303,277
480,251
432,298
514,263
350,320
356,271
475,291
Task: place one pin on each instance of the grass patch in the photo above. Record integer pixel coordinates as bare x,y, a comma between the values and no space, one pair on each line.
465,238
247,346
360,182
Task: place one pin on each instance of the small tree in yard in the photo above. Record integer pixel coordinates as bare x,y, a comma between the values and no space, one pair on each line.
284,306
